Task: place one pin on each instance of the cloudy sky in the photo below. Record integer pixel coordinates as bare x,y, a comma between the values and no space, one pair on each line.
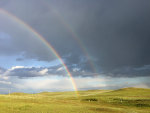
103,43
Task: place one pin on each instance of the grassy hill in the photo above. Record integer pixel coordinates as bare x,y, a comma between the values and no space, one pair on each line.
127,100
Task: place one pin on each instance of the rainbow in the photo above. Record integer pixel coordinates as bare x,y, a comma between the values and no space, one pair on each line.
42,39
73,34
76,38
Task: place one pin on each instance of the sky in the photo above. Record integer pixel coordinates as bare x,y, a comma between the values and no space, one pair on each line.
103,44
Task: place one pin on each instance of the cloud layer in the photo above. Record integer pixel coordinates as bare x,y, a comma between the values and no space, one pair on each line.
41,80
105,44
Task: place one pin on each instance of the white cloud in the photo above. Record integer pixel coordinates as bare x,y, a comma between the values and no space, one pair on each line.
5,77
60,69
20,67
76,69
59,84
44,71
16,67
5,82
44,83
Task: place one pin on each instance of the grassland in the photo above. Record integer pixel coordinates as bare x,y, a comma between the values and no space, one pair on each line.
128,100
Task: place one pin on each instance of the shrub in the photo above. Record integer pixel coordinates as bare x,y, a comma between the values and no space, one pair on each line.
90,99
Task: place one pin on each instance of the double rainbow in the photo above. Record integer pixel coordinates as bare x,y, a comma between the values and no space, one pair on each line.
42,39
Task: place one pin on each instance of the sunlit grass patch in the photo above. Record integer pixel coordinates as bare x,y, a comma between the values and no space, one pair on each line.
66,102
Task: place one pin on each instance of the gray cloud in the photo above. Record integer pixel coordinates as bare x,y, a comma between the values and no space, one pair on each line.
22,72
27,72
119,36
130,71
2,70
4,2
115,33
19,59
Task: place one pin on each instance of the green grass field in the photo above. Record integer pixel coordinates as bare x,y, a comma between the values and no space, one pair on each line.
128,100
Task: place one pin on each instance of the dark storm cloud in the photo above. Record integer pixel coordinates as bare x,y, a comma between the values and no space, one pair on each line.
130,71
44,20
115,33
118,34
4,2
16,39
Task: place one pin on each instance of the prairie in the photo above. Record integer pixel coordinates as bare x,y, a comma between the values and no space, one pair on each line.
127,100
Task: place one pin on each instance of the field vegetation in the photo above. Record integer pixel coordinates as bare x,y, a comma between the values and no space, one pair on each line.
127,100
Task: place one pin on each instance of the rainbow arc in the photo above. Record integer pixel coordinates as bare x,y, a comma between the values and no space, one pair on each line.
42,39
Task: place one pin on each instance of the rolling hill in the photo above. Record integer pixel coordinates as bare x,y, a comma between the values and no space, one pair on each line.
126,100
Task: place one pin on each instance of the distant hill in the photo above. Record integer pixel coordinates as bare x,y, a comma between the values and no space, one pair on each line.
19,93
129,91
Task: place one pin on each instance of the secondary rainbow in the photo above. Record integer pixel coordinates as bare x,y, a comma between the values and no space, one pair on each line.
41,38
73,34
76,38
